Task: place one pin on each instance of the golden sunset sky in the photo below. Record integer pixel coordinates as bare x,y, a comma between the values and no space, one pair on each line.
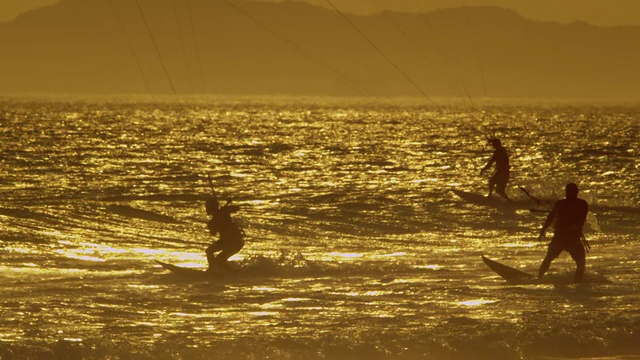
599,12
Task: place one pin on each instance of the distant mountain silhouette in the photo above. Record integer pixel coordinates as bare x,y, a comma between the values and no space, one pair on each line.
254,48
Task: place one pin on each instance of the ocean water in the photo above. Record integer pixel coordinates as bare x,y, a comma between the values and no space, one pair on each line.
356,246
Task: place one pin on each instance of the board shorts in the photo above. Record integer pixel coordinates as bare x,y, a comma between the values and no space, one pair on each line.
227,245
569,244
501,178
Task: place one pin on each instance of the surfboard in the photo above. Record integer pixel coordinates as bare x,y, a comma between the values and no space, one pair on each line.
508,273
188,272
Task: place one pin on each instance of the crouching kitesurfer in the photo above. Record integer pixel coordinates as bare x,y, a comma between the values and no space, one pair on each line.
231,236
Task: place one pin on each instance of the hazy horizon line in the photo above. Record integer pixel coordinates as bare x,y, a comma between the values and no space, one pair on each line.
488,3
199,99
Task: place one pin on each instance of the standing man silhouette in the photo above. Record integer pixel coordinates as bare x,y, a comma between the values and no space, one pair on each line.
500,177
569,214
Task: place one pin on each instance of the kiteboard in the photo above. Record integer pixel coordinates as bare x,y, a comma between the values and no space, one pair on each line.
508,273
495,201
480,199
515,276
186,272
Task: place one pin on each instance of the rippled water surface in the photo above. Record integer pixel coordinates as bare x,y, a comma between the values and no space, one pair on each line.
356,246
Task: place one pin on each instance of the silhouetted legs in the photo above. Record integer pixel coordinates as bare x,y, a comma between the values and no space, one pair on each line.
579,256
492,185
500,189
227,249
545,265
575,249
499,181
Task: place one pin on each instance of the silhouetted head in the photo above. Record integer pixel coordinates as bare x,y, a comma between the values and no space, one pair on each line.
212,205
571,191
495,142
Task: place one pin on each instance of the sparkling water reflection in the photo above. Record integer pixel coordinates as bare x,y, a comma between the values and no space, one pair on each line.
356,246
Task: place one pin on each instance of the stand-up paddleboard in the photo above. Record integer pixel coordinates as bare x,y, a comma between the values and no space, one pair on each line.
508,273
188,272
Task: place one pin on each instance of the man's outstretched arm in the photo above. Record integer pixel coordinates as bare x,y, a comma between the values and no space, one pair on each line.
552,215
